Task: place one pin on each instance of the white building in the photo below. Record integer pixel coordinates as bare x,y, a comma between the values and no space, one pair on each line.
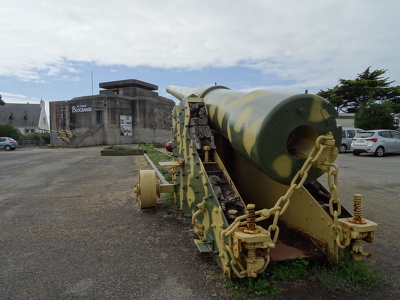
25,117
346,119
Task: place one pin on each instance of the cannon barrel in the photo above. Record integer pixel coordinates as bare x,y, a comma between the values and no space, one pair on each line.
274,130
234,151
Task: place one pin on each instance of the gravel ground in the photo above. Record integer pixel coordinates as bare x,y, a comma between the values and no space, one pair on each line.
70,228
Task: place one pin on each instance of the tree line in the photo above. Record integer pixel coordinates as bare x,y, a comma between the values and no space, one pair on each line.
370,96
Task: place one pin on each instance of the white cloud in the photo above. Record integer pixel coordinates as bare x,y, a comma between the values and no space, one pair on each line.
308,42
15,98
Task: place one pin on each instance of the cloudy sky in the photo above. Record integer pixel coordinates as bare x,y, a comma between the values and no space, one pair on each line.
54,50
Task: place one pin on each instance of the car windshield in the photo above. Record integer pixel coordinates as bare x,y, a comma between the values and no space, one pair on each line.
364,134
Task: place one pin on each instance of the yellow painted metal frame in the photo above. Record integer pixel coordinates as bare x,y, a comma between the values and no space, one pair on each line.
147,188
196,198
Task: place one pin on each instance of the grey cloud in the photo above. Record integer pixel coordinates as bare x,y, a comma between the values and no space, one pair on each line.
313,42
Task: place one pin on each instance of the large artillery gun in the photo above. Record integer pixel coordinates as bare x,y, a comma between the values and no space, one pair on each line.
245,165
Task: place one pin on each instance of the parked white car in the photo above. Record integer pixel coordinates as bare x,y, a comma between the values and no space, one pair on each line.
377,142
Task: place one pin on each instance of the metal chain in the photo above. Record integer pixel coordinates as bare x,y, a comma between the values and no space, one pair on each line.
322,142
297,182
335,207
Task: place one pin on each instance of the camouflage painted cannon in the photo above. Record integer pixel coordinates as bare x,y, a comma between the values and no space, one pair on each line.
234,152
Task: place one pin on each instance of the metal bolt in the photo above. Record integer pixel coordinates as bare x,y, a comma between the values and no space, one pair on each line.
357,218
251,217
206,153
251,254
357,207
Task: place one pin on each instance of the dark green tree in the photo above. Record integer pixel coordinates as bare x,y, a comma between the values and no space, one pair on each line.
10,131
1,101
368,86
375,116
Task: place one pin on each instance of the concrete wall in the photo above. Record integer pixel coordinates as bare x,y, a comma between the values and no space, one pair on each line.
97,118
346,120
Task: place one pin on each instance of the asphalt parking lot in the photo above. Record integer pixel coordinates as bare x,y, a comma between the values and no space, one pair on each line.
70,228
378,180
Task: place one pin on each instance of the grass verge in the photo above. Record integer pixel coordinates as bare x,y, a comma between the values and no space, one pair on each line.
348,277
157,156
118,147
269,285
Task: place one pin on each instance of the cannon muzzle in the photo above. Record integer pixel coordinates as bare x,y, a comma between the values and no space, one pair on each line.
274,130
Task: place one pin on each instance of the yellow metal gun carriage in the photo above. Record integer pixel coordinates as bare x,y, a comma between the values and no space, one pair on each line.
245,159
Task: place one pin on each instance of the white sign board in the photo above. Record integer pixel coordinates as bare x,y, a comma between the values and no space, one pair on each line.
125,125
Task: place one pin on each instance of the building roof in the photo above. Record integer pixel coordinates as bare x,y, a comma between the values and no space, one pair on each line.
21,115
128,83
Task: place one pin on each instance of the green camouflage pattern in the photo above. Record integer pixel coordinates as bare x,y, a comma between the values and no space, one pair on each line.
260,139
259,124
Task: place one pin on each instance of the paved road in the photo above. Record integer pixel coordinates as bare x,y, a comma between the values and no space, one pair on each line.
70,228
378,180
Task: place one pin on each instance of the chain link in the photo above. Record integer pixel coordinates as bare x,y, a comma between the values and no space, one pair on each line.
321,143
335,208
334,200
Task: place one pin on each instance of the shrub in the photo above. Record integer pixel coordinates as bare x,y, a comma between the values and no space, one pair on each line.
10,131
